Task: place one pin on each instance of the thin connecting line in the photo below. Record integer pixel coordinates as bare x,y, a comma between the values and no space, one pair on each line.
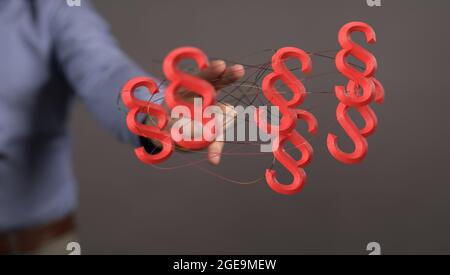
247,88
259,74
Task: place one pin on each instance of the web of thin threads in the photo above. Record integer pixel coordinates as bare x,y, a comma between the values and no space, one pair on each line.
246,92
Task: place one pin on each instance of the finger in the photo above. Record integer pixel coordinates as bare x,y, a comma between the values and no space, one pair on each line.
214,152
211,74
231,75
229,114
214,71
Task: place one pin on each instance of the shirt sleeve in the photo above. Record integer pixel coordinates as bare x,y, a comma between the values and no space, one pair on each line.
94,65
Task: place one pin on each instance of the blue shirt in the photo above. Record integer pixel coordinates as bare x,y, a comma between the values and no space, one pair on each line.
43,45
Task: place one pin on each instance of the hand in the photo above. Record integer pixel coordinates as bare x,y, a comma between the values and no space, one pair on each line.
220,76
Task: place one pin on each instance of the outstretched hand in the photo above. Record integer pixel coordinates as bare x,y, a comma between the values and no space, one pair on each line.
219,75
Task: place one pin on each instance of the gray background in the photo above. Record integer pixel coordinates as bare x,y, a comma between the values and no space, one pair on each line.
398,197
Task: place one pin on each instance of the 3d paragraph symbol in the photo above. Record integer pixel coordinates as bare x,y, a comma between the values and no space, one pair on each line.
137,107
286,130
372,90
195,84
184,89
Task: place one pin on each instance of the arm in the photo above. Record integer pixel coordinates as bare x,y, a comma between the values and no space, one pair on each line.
94,65
97,69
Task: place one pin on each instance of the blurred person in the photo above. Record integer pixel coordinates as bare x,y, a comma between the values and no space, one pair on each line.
44,45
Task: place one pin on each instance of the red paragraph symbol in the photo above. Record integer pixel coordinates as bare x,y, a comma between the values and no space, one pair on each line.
194,84
362,89
137,107
287,128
